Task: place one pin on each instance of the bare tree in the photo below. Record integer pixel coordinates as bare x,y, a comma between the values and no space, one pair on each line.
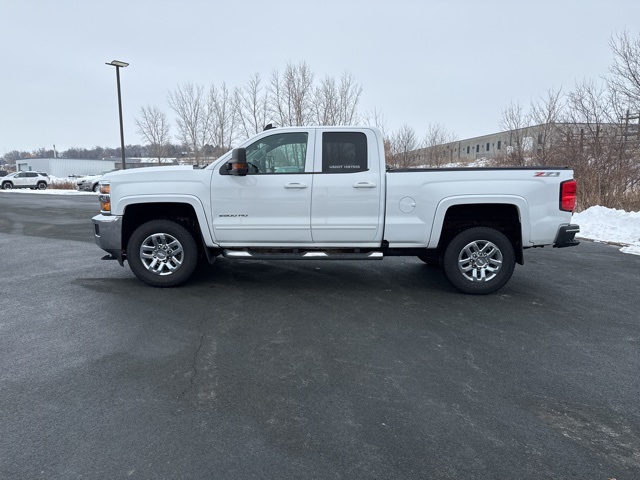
348,100
516,122
375,118
325,102
220,104
291,95
625,71
193,117
154,128
437,144
597,148
251,107
336,104
545,114
404,142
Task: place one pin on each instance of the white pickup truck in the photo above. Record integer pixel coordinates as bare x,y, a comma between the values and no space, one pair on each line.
316,193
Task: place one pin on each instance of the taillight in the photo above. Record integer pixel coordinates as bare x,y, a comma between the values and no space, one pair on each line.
568,194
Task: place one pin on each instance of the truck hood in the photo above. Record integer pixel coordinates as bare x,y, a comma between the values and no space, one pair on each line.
162,184
146,173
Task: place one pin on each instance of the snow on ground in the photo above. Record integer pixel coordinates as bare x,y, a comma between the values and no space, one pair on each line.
48,191
600,224
608,225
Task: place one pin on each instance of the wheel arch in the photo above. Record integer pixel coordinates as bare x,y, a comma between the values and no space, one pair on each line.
508,214
187,211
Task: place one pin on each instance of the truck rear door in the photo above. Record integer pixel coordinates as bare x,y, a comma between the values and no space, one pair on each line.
347,196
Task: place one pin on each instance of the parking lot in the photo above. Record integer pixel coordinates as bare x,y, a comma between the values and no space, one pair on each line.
310,369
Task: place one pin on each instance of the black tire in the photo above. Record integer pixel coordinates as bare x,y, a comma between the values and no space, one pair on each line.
7,186
96,187
479,261
42,186
162,253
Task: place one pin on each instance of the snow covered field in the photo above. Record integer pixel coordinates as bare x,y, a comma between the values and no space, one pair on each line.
600,224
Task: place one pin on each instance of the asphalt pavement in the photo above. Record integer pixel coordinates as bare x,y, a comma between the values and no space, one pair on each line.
310,370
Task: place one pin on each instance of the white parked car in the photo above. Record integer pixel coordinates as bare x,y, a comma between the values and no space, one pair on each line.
90,183
31,180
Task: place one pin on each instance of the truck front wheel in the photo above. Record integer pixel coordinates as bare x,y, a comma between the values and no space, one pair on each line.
162,253
479,260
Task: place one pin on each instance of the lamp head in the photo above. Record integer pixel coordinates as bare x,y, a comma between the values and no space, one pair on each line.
118,63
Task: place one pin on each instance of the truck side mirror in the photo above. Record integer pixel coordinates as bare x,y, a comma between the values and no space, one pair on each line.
238,163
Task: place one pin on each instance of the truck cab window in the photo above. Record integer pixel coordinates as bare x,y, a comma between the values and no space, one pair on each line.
344,152
280,153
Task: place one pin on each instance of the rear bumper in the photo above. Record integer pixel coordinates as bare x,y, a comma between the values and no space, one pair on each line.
566,236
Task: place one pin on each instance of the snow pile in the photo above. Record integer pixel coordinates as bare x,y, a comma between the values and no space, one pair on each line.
609,225
477,163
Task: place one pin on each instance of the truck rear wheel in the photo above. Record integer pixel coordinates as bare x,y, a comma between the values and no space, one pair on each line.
162,253
479,260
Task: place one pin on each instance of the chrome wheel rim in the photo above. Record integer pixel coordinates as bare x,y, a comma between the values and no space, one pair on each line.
480,261
161,254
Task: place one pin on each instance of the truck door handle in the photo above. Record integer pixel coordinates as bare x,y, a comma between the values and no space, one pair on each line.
364,185
295,185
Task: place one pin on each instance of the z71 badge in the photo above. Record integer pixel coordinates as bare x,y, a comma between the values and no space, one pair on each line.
546,174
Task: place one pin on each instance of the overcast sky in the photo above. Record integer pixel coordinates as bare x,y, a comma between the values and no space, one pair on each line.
457,63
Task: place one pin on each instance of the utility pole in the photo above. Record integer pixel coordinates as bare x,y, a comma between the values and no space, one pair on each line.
118,64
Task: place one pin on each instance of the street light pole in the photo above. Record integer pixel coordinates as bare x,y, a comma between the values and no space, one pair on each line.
118,64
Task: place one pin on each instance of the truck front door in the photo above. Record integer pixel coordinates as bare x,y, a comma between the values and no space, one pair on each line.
271,205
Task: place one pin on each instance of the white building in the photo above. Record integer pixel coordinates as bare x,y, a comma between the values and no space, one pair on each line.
64,167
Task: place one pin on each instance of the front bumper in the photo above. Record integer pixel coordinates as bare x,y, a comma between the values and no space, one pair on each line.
566,236
107,232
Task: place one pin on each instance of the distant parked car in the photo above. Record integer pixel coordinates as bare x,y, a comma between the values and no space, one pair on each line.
31,180
90,183
3,173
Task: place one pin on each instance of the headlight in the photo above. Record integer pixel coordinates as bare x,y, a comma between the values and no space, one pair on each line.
105,198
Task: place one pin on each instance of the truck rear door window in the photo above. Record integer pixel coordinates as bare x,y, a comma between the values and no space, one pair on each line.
344,152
